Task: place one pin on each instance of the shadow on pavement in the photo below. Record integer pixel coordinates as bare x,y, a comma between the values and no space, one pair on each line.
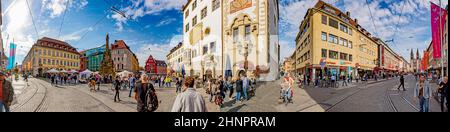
237,108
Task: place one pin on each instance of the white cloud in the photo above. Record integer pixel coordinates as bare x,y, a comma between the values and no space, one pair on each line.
76,35
165,22
140,8
57,7
158,51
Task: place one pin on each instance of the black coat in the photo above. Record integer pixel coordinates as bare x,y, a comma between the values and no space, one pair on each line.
239,85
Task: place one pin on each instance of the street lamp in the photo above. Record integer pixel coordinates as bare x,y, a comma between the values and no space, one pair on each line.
245,48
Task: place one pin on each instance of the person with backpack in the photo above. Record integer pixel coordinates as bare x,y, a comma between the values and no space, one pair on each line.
147,100
117,89
189,100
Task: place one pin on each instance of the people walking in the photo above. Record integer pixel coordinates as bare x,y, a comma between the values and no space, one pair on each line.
178,84
423,92
239,88
132,81
443,90
229,85
402,83
6,93
98,81
209,89
245,86
286,89
189,100
344,81
117,89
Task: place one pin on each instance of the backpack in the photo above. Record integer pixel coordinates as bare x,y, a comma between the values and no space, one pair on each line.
151,100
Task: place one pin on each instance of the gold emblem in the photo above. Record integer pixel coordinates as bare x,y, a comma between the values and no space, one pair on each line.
237,5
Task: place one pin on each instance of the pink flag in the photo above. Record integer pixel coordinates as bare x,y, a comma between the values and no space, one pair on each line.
435,28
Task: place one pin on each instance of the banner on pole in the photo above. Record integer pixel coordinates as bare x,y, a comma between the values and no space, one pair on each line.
12,56
436,28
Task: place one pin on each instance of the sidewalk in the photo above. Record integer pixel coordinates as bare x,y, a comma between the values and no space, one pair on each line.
316,99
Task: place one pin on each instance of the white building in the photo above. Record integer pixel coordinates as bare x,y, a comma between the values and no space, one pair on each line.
220,35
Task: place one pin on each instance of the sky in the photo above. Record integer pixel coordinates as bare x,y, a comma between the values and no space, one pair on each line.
155,26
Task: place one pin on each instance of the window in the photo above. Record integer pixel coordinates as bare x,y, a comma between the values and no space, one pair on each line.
187,27
186,14
53,62
40,61
344,56
350,31
247,33
45,61
324,53
205,50
324,36
235,35
350,57
333,54
333,39
204,12
345,42
350,44
194,21
333,23
344,28
216,4
324,20
194,5
48,61
341,41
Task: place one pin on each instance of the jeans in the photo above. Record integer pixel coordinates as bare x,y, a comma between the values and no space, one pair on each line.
3,107
131,90
211,95
344,83
238,96
424,104
116,95
245,91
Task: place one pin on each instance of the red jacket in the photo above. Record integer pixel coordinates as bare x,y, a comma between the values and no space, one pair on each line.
7,92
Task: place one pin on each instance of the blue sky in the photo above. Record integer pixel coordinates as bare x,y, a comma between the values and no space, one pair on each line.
155,26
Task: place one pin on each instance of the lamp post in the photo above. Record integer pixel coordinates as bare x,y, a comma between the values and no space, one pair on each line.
245,48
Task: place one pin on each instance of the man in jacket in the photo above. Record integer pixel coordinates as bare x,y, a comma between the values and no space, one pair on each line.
423,92
6,93
189,100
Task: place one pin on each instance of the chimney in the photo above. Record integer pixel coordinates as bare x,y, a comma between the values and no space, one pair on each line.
348,14
356,21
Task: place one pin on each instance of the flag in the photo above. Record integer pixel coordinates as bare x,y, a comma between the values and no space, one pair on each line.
435,28
425,59
12,56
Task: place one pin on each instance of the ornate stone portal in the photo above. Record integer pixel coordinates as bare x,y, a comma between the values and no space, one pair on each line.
106,67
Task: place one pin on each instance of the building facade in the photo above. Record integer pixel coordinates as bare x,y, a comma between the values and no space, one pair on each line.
83,61
155,67
330,42
389,61
48,53
223,37
175,59
93,57
123,57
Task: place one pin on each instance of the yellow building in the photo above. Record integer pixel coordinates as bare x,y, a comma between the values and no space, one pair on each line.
48,53
331,43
